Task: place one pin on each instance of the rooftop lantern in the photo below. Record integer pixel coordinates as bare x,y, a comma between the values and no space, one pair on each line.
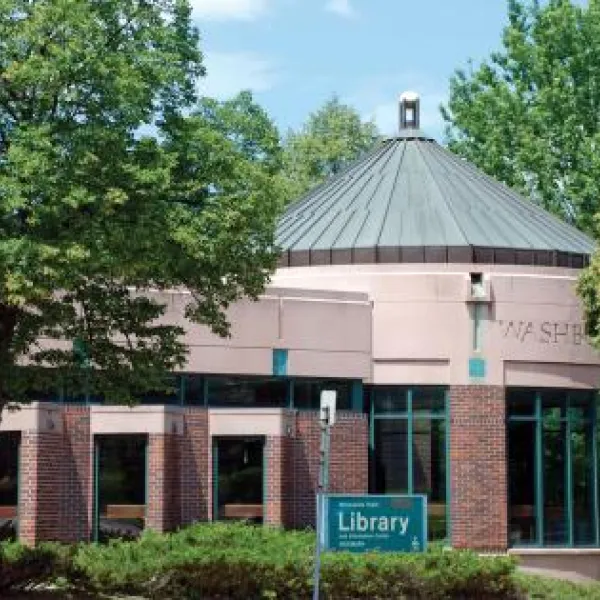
409,110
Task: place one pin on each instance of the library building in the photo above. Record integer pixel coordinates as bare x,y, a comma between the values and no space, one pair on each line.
440,306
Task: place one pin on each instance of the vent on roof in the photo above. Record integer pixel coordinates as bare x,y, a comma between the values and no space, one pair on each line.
409,110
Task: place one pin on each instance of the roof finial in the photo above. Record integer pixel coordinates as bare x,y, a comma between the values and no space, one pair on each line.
409,110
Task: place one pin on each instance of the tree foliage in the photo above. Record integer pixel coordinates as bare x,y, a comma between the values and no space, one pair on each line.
94,213
530,114
332,137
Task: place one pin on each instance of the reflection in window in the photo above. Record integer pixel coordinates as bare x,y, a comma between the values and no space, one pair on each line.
250,391
409,433
121,485
9,484
307,393
551,467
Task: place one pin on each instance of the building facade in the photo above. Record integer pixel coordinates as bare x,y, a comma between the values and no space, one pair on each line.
442,309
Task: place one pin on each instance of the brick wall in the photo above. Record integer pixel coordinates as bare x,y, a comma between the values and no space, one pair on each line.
478,468
163,508
40,487
195,467
348,468
77,475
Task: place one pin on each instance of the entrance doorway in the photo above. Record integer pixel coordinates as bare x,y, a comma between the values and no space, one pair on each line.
238,476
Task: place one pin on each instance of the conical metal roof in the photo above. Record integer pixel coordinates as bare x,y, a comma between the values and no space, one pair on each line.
411,200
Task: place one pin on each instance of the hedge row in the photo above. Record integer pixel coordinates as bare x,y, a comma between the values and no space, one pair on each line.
235,561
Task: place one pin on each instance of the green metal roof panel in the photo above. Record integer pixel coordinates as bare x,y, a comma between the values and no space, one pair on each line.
409,192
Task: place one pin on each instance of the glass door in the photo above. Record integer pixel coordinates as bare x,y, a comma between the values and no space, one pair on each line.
238,475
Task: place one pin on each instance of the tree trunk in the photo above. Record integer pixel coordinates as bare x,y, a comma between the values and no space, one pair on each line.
8,323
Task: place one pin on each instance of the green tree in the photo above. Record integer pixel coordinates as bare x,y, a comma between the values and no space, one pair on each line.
529,115
331,138
94,214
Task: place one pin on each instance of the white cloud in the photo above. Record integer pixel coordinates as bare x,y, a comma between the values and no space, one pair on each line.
342,8
227,73
225,10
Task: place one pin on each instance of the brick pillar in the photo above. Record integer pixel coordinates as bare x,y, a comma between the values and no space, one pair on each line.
196,468
78,475
163,504
278,480
478,467
40,486
348,468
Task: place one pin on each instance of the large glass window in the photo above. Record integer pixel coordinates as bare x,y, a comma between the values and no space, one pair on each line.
9,483
552,467
247,391
307,393
120,485
409,438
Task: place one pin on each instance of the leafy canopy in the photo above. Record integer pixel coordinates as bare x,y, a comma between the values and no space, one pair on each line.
116,183
332,137
529,115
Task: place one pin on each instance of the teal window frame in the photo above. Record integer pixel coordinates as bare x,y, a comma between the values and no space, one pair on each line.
409,416
537,418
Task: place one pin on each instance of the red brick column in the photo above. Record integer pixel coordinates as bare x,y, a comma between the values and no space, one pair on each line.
163,510
478,467
77,494
348,468
279,480
196,468
40,487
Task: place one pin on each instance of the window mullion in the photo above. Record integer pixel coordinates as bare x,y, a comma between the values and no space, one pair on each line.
594,467
569,475
410,443
539,488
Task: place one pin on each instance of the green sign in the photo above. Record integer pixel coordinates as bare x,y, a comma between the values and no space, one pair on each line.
375,523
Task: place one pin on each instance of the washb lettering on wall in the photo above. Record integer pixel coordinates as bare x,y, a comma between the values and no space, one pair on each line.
543,332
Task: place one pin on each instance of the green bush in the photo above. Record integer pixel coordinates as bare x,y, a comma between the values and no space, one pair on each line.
242,562
22,567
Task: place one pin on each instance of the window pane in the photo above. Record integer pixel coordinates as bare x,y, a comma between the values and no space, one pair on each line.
121,485
251,392
389,400
307,393
429,471
521,402
429,400
194,389
9,484
554,468
521,478
391,456
582,469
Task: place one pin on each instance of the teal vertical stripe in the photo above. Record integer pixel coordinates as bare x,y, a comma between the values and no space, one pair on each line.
410,442
569,475
539,466
448,470
594,466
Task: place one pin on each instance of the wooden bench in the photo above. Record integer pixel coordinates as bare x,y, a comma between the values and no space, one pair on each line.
8,512
125,511
242,511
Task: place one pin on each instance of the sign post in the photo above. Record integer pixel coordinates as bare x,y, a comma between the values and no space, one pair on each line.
326,420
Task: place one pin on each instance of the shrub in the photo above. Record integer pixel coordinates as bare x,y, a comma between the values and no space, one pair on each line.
22,567
243,562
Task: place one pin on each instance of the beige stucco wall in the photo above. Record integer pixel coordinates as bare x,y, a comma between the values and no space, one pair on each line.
325,333
532,332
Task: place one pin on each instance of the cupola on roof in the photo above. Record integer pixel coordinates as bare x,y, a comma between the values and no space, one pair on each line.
411,200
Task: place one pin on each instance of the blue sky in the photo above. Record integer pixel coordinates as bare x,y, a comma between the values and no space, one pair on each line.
294,54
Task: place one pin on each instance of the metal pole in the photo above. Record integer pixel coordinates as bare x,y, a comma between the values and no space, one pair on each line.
322,486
